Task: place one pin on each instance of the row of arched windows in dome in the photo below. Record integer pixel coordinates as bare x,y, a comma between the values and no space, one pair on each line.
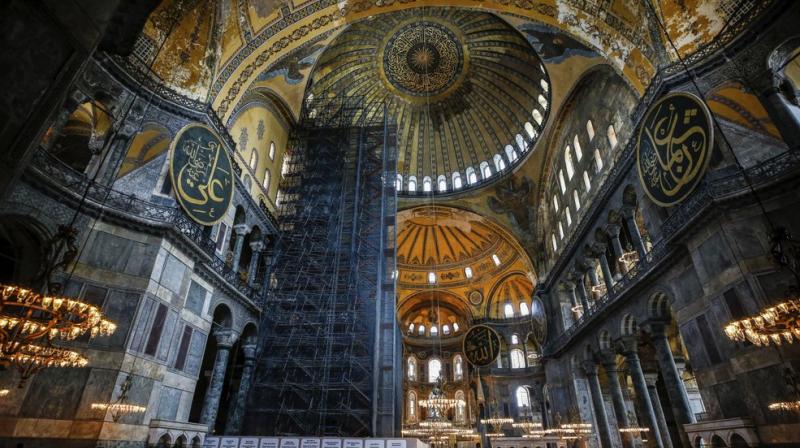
522,399
563,202
435,369
500,161
433,330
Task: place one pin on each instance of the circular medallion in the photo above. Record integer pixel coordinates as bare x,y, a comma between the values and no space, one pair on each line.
201,174
674,147
481,345
475,298
423,58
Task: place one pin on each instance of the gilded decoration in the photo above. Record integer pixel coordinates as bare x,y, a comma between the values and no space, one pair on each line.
481,345
423,60
674,147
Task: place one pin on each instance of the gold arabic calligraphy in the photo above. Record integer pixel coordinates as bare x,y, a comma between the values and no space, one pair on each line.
675,148
481,346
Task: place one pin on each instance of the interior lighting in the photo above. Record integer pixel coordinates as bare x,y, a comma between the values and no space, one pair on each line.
772,325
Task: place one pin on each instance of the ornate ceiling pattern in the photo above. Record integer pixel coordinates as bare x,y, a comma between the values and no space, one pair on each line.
461,259
469,94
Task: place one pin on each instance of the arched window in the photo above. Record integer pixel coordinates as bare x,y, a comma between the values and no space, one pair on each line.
515,337
434,370
576,199
434,330
496,259
569,217
560,231
537,116
543,102
398,183
511,153
578,151
590,129
248,183
446,329
531,132
411,413
253,160
411,327
455,326
544,85
472,178
561,181
457,181
421,330
468,272
568,163
442,181
411,368
523,397
427,184
412,184
520,144
586,181
555,202
458,368
461,407
508,310
598,160
486,172
523,309
271,150
266,180
555,243
432,278
499,163
612,136
517,359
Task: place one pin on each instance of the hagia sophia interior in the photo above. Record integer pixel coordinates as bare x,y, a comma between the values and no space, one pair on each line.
399,223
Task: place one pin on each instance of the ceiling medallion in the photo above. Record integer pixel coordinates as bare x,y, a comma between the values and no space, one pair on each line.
423,60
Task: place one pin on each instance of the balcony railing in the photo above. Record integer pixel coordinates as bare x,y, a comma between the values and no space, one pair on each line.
709,193
102,200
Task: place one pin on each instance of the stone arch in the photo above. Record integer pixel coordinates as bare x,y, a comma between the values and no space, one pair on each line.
699,442
165,441
223,316
196,442
628,326
630,196
658,306
604,340
249,333
23,246
717,441
180,442
735,440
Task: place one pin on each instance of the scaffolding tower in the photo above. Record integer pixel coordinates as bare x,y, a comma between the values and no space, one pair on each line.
330,340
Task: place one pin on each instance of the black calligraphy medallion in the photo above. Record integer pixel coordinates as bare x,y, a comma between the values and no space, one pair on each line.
481,345
674,147
201,174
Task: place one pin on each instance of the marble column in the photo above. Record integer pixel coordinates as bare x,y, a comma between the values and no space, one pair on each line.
616,246
617,399
673,382
607,277
256,247
782,112
594,280
241,231
633,229
628,349
604,431
573,298
208,415
234,423
651,379
582,294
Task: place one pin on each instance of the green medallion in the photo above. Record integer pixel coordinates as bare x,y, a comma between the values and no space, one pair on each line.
201,173
674,147
481,345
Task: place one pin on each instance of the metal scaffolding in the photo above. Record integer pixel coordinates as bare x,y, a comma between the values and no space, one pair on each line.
329,336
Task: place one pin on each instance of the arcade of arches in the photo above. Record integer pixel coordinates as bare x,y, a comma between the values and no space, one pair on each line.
241,223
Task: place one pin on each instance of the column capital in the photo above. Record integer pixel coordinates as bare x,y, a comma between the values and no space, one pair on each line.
628,212
568,285
650,378
249,350
613,230
608,359
241,229
656,329
257,246
225,337
628,346
590,367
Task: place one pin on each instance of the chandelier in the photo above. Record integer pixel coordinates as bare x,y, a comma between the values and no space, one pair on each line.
120,407
4,392
27,316
629,259
633,430
789,406
441,403
31,358
497,421
772,325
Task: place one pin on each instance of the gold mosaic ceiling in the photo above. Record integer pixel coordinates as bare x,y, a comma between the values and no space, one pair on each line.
467,90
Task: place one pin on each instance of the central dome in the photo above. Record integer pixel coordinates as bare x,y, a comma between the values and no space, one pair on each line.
423,58
467,91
